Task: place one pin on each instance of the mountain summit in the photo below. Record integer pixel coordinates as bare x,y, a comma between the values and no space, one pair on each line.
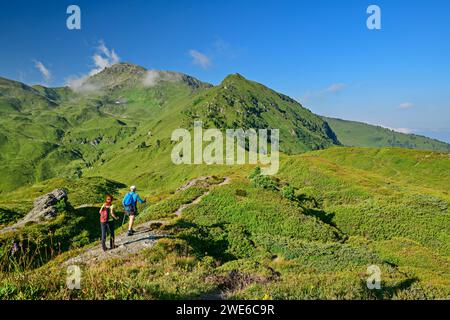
127,112
126,75
241,103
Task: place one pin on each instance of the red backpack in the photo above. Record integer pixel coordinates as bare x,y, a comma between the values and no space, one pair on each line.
104,214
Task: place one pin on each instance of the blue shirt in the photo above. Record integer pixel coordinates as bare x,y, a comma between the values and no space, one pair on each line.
136,198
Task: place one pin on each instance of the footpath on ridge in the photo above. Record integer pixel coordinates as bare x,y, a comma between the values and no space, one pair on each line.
146,234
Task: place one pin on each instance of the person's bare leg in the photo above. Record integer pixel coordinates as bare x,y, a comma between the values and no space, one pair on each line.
130,223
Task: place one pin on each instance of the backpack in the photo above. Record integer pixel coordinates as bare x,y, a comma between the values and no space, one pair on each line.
128,200
104,214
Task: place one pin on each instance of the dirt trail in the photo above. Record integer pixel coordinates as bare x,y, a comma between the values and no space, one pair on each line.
179,211
146,234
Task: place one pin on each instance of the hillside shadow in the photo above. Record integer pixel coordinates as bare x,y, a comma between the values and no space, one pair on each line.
90,221
388,292
302,198
323,216
310,207
202,241
8,216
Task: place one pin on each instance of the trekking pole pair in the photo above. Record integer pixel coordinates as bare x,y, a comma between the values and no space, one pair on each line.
145,206
123,220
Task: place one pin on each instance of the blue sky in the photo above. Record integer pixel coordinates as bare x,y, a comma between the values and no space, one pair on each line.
319,52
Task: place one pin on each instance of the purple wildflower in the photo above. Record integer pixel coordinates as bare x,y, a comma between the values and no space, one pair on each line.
15,248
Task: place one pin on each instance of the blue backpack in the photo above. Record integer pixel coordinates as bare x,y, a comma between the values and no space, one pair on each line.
128,200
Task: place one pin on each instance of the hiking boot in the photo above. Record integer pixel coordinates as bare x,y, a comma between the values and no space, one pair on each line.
112,245
130,232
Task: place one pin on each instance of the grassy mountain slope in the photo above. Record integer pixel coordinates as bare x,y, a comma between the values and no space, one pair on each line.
235,103
16,96
47,133
358,134
119,121
240,103
122,118
308,233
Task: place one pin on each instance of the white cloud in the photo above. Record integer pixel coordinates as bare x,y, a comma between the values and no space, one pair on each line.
400,130
406,105
79,84
152,77
200,59
45,72
336,87
403,130
102,59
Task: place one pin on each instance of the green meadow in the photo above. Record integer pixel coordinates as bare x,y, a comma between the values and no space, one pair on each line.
338,204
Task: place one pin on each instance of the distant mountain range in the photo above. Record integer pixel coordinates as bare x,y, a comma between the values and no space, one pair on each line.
49,132
359,134
347,196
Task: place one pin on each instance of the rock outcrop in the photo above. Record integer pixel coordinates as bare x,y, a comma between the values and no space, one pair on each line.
44,209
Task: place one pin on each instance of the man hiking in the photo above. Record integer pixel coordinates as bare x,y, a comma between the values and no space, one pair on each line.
130,206
106,222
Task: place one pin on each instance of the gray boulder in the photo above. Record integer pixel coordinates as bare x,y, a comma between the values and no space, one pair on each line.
44,209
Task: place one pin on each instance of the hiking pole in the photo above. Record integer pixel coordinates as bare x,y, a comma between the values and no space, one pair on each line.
144,206
123,220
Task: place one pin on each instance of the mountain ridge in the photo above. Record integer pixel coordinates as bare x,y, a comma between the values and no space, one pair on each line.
53,94
309,232
361,134
50,132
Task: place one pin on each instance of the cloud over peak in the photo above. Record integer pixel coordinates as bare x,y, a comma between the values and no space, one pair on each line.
399,130
45,72
403,130
103,58
200,59
152,77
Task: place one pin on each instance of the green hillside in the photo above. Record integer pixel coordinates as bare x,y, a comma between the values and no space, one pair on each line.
358,134
59,132
308,233
239,103
223,232
127,112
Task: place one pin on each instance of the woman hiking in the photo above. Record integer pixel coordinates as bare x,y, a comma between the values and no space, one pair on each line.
106,222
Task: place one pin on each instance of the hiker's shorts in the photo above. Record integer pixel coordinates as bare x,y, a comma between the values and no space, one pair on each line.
130,210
